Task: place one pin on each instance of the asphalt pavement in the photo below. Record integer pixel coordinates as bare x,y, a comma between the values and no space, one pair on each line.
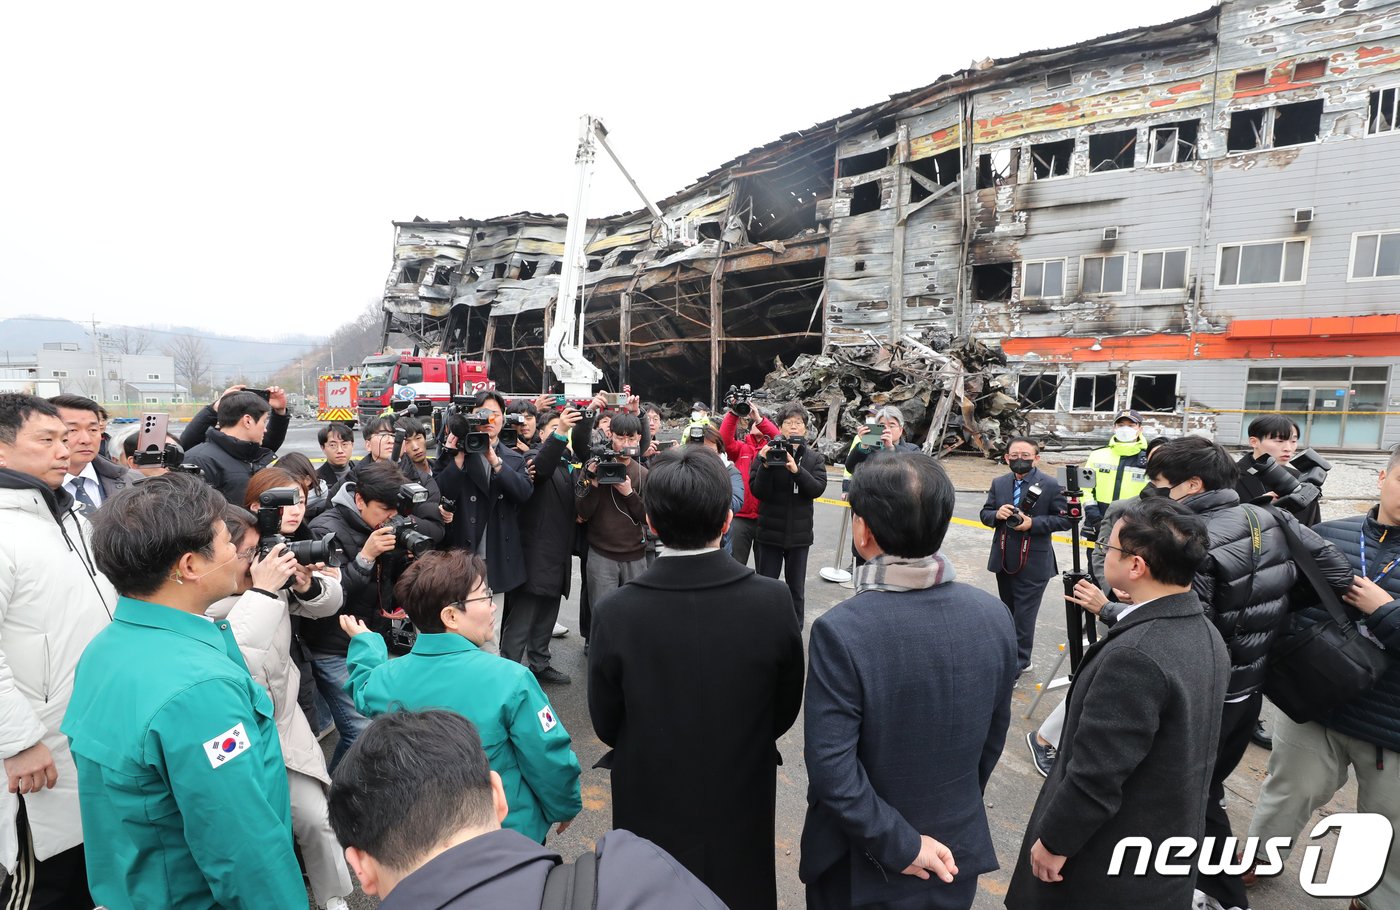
1014,785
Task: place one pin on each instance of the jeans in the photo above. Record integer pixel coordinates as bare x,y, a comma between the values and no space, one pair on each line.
332,677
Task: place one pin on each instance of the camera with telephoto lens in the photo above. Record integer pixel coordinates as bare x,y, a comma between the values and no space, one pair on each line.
739,399
510,429
780,448
1296,485
307,552
407,538
1028,500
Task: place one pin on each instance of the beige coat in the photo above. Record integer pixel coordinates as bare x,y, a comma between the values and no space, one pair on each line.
263,629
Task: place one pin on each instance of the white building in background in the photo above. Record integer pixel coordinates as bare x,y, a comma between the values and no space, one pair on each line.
112,378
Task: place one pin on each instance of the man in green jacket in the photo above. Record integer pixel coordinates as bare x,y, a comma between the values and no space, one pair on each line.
180,774
445,595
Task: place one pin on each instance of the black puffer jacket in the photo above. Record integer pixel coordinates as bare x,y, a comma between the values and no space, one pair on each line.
785,499
1248,596
1374,716
229,463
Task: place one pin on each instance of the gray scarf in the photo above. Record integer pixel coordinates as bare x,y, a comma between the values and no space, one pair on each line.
895,573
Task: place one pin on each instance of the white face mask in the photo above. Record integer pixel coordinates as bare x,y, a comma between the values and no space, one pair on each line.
697,415
1125,434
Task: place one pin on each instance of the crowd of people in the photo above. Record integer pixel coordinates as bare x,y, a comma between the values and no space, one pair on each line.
177,639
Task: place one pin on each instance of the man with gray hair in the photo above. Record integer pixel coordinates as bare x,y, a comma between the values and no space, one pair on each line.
891,421
53,601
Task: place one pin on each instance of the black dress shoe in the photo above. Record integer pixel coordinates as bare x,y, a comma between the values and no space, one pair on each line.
1260,736
551,675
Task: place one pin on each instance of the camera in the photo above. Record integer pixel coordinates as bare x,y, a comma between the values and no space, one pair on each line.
779,449
407,538
612,470
448,505
469,428
1028,500
418,407
739,399
1297,485
694,434
510,430
870,437
307,552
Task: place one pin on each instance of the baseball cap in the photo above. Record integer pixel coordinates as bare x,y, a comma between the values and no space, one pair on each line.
1134,416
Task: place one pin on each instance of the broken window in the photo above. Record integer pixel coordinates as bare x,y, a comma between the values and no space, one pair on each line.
1271,262
865,198
1309,70
992,281
860,265
1097,392
1059,78
410,273
1045,278
1251,79
1172,143
1376,255
1275,127
939,169
499,271
711,230
625,257
1162,270
996,168
1103,274
594,265
864,164
1112,151
1381,111
1152,392
527,268
442,275
1038,391
556,267
1051,159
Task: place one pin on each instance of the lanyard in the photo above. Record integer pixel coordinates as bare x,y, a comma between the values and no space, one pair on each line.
1384,572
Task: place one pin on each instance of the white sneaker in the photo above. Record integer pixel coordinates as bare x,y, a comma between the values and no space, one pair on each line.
337,903
559,631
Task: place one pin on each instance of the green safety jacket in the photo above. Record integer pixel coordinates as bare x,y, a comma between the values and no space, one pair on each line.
524,739
180,775
1111,483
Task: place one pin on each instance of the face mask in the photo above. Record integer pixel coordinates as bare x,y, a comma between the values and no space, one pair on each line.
697,415
1021,466
1126,434
1151,492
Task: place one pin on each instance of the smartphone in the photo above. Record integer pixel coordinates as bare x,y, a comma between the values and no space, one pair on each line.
150,438
264,394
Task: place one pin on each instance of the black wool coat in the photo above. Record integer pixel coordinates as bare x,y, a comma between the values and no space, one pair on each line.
548,520
488,510
785,499
1135,760
695,669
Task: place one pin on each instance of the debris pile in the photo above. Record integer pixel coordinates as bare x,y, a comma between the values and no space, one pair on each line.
953,392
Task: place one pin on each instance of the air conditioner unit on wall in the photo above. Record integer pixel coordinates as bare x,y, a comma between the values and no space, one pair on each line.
1110,233
1303,216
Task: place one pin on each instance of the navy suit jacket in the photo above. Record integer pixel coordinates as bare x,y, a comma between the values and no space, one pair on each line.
908,703
1039,562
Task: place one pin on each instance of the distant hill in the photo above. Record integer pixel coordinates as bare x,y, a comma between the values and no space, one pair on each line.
255,359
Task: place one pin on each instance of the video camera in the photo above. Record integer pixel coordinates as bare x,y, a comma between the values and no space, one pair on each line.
462,413
611,469
307,552
1079,624
694,434
780,448
1297,484
510,430
408,540
739,399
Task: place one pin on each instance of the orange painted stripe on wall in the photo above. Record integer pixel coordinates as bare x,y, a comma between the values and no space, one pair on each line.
1361,336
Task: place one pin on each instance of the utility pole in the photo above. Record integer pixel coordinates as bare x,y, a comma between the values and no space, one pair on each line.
101,369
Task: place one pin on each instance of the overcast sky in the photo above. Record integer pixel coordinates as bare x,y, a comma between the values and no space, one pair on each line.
238,167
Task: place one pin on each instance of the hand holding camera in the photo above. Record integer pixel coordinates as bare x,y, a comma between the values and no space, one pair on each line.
272,570
568,419
380,542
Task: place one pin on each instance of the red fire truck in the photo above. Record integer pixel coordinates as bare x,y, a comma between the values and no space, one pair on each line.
403,375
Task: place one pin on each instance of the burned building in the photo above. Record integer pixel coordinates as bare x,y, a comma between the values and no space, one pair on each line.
1192,219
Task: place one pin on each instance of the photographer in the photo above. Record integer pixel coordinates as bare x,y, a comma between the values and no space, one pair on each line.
1025,507
741,449
447,597
488,486
273,590
1276,436
127,456
231,454
785,477
204,420
418,468
358,518
171,736
710,438
529,413
337,442
891,422
549,521
315,494
614,511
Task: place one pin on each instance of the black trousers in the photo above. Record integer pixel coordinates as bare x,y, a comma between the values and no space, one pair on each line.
770,560
527,628
57,883
585,607
1237,720
1022,596
741,532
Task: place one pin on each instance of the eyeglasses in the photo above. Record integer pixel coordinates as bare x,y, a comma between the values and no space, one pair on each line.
1109,546
248,554
459,604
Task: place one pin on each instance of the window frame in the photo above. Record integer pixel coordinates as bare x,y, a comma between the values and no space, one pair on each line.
1074,380
153,376
1041,375
1119,293
1185,270
1351,257
1064,278
1283,262
58,374
1395,121
1132,378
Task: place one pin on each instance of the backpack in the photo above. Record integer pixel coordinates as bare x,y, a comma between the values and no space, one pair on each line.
572,886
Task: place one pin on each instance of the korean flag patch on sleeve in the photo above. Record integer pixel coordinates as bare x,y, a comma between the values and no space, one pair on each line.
547,721
225,747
